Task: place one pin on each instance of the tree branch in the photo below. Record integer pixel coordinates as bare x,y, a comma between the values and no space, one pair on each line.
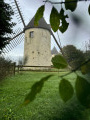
75,69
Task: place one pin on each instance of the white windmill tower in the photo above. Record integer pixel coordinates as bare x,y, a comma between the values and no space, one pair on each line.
37,45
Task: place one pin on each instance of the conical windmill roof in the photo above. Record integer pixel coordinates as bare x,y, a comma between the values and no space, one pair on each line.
54,51
42,24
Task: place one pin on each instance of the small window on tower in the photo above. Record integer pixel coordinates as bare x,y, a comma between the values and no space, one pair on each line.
31,34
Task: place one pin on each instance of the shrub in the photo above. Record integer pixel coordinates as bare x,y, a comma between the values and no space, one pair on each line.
5,67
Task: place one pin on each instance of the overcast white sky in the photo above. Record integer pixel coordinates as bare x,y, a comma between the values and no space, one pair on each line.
74,35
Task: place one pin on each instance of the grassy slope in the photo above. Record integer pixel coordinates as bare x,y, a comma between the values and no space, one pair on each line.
46,106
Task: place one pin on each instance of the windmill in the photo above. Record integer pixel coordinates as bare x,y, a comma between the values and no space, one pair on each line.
37,43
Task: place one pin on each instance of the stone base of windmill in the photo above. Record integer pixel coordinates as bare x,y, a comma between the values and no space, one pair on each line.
37,68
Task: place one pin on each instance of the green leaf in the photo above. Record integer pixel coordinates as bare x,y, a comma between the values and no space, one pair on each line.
70,6
61,15
66,90
82,88
84,69
39,15
54,19
36,88
59,62
89,9
64,25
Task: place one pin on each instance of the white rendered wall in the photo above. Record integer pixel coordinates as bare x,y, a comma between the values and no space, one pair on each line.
37,50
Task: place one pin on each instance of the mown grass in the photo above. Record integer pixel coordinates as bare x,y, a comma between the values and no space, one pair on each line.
47,105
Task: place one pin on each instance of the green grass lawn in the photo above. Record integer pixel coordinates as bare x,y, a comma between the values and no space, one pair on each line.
47,105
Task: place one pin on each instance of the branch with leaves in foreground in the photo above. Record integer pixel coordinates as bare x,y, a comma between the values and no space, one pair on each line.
58,19
66,90
82,66
82,86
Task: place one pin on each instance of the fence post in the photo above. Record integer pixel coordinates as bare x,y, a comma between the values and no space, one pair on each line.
14,65
18,68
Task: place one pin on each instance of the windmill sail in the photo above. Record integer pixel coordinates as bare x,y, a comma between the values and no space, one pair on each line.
20,13
13,42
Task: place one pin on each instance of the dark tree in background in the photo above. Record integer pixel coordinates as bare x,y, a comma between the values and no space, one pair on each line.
74,56
6,25
87,54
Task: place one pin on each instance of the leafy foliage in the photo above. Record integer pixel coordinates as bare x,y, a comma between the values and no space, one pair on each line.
5,68
74,56
83,91
39,14
82,87
59,62
54,19
36,88
84,69
87,55
5,22
66,90
64,25
70,6
57,20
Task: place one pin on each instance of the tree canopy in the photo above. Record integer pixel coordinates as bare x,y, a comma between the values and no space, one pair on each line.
6,24
74,56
